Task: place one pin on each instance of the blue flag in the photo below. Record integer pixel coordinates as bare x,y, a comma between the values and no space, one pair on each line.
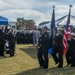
53,32
53,29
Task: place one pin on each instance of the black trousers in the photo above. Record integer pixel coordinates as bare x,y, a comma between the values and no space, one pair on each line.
12,49
43,57
70,58
58,58
1,50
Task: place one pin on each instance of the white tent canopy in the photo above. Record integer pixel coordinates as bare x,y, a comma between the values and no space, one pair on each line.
43,25
61,22
12,23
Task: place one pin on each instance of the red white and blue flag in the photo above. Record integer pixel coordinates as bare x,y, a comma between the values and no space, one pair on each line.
66,33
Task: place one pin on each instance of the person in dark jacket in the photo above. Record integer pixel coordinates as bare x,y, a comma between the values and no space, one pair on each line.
70,55
1,42
58,48
11,39
43,49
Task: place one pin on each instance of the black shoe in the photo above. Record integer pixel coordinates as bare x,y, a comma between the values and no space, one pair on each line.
72,66
45,68
41,67
11,55
59,66
67,65
56,63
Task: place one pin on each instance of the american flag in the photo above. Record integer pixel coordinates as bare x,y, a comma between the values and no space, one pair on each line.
66,37
66,33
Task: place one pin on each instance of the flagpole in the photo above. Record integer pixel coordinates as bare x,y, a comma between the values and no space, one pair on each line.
70,8
53,19
68,19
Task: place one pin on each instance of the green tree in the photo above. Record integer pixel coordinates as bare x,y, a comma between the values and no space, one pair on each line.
28,24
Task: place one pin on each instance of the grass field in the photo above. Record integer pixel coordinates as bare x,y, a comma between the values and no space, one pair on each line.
25,63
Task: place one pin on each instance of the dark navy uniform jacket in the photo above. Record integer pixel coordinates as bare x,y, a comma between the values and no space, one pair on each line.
44,40
59,40
71,43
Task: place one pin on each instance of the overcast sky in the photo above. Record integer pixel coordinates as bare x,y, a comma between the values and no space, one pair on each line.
38,10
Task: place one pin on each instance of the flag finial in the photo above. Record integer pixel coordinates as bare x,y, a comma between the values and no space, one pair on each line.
70,5
53,6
